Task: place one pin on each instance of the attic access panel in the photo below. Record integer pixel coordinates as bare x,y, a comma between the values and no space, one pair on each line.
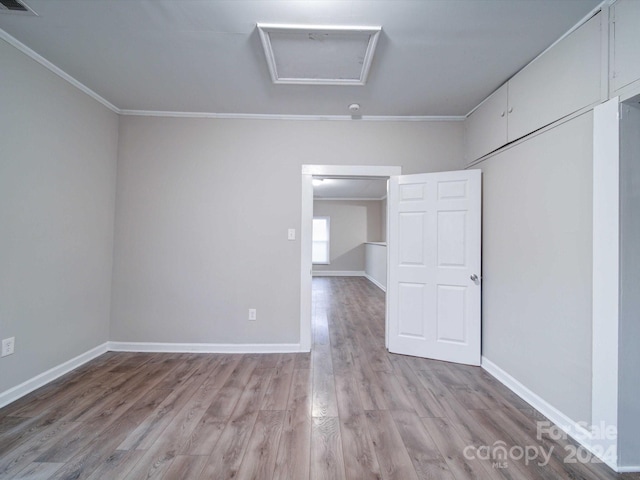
318,54
15,6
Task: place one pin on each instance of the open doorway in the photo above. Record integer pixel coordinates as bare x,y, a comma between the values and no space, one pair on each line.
349,228
345,174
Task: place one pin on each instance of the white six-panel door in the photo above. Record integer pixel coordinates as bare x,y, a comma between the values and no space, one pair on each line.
434,265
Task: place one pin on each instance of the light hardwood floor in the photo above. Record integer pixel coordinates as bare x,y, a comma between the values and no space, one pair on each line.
349,410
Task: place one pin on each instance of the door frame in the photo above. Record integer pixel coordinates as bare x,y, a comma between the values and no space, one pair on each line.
308,171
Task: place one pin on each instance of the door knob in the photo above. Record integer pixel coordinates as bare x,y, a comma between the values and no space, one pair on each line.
474,277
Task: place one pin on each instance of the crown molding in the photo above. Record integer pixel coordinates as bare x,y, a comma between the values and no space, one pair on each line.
269,116
235,116
14,42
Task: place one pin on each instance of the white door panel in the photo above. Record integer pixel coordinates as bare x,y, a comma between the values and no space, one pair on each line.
434,251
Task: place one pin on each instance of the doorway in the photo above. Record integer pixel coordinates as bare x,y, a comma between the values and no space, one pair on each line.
306,270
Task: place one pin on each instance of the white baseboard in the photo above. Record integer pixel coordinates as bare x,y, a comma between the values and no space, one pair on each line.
572,428
569,426
375,282
628,469
204,347
337,273
50,375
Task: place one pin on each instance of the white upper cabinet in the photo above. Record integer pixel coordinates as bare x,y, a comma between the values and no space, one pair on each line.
486,127
560,82
563,80
625,52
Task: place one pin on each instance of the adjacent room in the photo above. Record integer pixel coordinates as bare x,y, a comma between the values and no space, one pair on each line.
304,239
350,228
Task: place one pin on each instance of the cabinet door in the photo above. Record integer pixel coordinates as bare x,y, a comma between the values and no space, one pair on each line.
563,80
486,127
626,43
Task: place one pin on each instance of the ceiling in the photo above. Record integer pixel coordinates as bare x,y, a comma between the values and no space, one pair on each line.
433,57
350,188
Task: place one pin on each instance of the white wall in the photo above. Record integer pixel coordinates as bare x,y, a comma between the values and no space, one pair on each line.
57,185
203,208
352,223
537,264
376,264
629,326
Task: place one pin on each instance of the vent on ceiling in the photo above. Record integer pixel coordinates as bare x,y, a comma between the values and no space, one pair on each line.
317,54
15,6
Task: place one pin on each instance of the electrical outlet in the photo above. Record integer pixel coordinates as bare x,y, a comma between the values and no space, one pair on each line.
8,346
253,314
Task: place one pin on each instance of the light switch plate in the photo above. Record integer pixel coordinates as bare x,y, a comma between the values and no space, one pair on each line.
8,346
291,234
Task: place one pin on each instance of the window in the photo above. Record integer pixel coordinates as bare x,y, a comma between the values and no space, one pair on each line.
320,235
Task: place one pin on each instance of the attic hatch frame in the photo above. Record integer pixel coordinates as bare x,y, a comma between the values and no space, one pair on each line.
9,7
330,32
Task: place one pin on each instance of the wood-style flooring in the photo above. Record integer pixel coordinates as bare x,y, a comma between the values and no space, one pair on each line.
349,410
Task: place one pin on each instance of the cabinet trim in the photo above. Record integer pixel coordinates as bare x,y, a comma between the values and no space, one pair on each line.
533,134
